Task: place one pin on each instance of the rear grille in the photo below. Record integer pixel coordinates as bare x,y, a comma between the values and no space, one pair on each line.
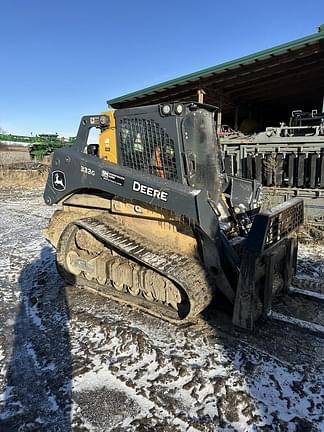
145,146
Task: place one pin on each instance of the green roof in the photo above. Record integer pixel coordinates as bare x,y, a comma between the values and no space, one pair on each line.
204,73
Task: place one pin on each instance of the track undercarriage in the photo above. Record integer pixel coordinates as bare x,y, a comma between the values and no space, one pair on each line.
106,254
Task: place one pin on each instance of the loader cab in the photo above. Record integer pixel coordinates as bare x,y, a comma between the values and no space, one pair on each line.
175,141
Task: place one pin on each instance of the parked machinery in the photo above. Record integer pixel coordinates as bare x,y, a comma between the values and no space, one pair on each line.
288,160
44,145
39,145
149,218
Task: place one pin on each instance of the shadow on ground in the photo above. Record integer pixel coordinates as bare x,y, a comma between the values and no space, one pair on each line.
37,393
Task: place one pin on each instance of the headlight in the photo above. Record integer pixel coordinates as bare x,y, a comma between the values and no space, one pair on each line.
178,109
166,109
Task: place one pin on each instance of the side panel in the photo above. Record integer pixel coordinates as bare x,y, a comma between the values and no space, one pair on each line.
202,152
73,172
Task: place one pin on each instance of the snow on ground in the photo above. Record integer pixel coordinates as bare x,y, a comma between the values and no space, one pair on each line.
70,361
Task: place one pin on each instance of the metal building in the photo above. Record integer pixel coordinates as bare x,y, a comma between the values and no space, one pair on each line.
266,85
257,95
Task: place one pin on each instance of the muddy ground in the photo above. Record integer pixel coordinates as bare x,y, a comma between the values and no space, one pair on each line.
70,361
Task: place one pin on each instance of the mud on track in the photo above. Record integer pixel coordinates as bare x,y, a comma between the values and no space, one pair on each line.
71,362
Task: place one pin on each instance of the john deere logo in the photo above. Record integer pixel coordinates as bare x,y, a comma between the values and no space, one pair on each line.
58,180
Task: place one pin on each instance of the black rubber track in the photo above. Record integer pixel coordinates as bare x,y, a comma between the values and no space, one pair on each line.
185,272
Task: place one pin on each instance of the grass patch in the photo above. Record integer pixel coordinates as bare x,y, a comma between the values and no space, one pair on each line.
11,156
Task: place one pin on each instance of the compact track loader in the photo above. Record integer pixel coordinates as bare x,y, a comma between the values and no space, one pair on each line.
150,219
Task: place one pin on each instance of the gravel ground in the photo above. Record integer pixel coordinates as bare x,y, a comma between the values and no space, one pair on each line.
70,361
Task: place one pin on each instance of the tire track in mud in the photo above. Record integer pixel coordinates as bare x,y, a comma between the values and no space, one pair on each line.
201,381
162,378
98,364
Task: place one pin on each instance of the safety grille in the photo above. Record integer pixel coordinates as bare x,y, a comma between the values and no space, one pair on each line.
145,146
270,227
286,218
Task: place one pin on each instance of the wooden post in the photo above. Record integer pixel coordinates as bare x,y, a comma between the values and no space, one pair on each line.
236,126
219,115
201,93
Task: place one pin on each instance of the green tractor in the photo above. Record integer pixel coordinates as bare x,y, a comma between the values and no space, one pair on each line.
45,144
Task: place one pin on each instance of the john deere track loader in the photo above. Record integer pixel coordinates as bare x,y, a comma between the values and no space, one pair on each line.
148,218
